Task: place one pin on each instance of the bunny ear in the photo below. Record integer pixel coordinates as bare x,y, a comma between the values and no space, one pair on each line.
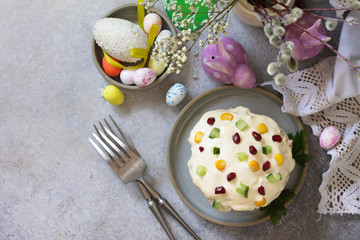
223,53
221,67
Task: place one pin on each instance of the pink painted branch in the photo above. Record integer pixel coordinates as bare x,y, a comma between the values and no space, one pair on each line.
325,43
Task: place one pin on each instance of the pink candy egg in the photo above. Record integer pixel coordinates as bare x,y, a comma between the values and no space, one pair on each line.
329,137
144,77
149,20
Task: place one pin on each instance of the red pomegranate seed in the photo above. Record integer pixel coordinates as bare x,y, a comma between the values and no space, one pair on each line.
277,138
201,149
231,176
256,136
236,138
261,190
211,120
266,165
252,150
220,190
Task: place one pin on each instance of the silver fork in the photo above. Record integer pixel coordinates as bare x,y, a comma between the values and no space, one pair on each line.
127,163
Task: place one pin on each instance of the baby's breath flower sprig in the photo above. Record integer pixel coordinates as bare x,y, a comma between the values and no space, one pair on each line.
173,52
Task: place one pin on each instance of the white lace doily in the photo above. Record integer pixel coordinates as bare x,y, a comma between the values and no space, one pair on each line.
306,94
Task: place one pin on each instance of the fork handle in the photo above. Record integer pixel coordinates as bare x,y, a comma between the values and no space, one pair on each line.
166,205
155,210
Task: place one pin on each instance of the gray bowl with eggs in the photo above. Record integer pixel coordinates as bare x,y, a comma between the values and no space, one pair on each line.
129,12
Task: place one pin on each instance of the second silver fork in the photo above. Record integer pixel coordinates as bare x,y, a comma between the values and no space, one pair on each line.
129,166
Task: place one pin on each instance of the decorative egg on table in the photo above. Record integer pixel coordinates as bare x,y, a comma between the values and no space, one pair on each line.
306,46
144,77
151,19
175,94
113,95
329,137
117,36
226,62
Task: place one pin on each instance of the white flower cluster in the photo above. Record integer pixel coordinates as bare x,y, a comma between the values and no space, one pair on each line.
172,51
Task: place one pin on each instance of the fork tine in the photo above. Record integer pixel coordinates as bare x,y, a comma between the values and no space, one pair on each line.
109,151
105,157
128,142
121,154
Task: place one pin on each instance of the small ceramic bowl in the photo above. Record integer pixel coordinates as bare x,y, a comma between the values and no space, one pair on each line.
245,12
128,12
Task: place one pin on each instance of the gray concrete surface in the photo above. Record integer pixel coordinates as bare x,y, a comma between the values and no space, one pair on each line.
53,185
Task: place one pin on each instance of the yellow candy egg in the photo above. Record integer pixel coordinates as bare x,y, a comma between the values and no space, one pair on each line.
157,67
113,95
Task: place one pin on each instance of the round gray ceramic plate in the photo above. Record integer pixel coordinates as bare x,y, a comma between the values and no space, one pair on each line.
178,150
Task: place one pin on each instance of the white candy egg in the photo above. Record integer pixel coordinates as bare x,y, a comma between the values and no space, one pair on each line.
157,66
127,76
117,36
149,20
144,77
175,94
329,137
163,34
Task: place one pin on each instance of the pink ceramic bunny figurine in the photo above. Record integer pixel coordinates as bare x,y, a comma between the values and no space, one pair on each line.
226,62
306,46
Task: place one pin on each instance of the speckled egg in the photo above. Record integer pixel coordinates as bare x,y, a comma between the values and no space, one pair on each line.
144,77
127,76
158,67
149,20
117,36
163,34
175,94
329,137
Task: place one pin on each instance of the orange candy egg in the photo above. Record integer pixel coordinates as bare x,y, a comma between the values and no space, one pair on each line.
109,69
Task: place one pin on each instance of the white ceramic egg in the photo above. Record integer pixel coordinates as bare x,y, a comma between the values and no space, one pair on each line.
329,137
117,36
127,76
163,34
158,67
144,77
175,94
149,20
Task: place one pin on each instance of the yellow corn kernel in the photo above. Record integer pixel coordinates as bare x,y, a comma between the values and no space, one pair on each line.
220,164
226,116
254,165
261,202
198,137
261,128
279,159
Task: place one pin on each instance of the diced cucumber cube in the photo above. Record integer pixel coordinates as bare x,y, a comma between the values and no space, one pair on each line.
216,150
273,178
242,156
241,124
215,133
201,170
216,204
266,149
242,189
